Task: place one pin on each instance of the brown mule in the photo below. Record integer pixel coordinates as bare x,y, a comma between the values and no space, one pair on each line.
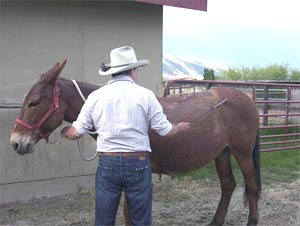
215,134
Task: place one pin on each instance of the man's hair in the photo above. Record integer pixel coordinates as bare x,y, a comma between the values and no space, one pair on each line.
122,73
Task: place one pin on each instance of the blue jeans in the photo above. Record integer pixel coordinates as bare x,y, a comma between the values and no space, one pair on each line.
131,175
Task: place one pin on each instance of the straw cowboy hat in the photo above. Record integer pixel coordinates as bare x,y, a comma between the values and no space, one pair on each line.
122,59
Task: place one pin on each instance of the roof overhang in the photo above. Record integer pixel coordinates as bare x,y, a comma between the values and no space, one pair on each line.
189,4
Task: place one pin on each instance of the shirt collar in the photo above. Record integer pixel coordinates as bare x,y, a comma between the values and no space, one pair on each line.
120,78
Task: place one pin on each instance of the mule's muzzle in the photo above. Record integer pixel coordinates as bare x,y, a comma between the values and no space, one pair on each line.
22,145
22,149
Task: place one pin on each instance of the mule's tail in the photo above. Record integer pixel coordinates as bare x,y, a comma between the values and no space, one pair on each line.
256,163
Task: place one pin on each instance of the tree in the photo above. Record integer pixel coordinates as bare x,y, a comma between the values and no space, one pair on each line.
209,74
231,74
295,75
275,72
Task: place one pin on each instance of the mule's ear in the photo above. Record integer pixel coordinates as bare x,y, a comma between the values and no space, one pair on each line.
52,75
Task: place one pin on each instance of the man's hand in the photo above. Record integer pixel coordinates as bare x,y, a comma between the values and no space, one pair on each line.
181,126
70,133
65,130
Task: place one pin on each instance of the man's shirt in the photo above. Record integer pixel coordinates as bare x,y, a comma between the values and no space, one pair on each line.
122,113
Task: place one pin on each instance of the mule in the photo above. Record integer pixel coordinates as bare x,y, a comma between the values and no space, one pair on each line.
215,133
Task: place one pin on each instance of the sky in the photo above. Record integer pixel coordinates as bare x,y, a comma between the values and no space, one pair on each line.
235,33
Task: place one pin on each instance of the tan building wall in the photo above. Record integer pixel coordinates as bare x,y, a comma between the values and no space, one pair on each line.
34,36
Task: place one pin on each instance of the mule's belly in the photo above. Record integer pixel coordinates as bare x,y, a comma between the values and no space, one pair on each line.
185,152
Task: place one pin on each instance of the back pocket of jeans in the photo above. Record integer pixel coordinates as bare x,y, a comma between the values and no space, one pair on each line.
140,176
104,176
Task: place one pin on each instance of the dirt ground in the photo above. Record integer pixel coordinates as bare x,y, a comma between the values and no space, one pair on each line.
186,202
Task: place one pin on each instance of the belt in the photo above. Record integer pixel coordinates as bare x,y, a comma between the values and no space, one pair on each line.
125,154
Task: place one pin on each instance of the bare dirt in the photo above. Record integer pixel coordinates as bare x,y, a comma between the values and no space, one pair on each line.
186,202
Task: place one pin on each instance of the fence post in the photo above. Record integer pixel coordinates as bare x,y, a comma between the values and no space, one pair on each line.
207,86
254,93
266,106
288,98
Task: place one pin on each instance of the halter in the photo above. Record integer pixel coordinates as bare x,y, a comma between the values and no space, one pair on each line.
36,128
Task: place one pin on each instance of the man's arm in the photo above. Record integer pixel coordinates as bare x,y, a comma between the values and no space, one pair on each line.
70,133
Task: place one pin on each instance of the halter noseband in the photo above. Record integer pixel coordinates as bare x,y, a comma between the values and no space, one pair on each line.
36,128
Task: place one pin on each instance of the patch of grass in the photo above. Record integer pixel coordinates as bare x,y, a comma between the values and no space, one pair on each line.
206,172
280,166
209,172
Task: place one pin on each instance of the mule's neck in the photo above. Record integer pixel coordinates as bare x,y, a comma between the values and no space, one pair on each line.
72,99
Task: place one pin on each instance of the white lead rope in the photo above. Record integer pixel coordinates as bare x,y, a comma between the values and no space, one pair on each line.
84,158
84,100
78,90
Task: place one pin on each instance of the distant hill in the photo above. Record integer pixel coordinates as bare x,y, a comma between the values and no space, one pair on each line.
178,67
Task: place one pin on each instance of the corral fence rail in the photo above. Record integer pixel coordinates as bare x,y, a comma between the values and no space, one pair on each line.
278,104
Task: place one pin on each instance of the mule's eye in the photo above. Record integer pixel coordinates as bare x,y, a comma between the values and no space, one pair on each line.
33,104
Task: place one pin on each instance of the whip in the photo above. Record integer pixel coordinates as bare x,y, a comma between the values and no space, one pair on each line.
211,109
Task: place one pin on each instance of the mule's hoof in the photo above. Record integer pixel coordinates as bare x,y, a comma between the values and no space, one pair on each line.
215,223
252,222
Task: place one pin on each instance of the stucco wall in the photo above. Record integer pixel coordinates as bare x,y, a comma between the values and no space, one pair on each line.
35,35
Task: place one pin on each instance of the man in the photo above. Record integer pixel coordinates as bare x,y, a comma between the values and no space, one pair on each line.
122,113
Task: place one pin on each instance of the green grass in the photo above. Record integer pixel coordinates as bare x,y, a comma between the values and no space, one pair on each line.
280,166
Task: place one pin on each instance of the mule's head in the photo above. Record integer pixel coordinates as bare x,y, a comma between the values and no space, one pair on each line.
40,113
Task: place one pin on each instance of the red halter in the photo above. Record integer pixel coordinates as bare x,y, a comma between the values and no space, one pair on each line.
35,128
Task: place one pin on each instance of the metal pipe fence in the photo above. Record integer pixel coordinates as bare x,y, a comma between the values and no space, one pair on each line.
278,105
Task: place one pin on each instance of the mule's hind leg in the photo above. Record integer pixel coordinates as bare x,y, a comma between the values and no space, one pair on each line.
125,212
223,166
247,167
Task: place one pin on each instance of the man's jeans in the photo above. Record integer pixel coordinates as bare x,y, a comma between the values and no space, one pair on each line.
131,174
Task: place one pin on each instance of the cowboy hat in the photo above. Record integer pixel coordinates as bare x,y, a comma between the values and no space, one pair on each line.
122,59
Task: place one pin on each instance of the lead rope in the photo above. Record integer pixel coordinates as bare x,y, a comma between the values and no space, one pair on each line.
78,90
77,141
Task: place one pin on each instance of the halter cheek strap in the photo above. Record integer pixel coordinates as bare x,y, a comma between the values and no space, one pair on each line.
36,128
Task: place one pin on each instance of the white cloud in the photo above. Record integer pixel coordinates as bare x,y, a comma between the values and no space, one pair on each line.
281,15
